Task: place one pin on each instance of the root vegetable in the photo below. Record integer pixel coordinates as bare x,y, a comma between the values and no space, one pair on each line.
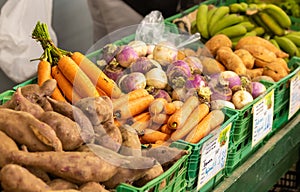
217,41
16,178
246,57
260,52
132,81
257,89
92,187
142,65
61,184
241,98
275,71
253,73
157,78
219,104
35,134
66,130
7,145
126,56
131,144
165,53
106,139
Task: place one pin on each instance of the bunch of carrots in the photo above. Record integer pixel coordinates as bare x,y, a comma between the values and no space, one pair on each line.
77,76
158,121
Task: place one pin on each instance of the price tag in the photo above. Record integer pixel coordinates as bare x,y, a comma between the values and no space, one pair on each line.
213,156
262,117
294,104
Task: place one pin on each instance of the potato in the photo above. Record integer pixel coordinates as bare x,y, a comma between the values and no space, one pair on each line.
217,41
16,178
231,61
66,130
246,57
25,129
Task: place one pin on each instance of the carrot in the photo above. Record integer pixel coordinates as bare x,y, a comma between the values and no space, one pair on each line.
64,85
157,106
202,129
43,74
169,108
194,118
151,136
145,116
101,92
80,81
98,77
165,129
133,107
177,119
129,97
140,126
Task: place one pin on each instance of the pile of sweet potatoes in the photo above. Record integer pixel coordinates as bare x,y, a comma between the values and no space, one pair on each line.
49,145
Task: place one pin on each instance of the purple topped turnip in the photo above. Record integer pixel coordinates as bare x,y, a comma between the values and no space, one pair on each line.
195,81
165,53
126,55
257,89
241,98
161,93
143,65
132,81
140,47
114,71
157,78
109,51
232,78
194,63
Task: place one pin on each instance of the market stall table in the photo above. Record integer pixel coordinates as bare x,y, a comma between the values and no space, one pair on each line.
267,165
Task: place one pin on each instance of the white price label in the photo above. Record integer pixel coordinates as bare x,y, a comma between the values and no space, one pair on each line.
294,104
262,117
213,156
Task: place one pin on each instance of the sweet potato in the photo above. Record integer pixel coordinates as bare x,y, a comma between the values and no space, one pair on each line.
275,71
106,139
66,130
246,57
16,178
7,145
217,41
99,165
92,187
75,114
25,129
211,66
231,61
256,40
131,144
39,173
252,73
61,184
260,52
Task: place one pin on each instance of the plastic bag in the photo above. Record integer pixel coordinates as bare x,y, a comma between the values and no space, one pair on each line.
153,30
17,21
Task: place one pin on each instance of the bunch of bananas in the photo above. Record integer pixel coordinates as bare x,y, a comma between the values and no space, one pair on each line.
289,43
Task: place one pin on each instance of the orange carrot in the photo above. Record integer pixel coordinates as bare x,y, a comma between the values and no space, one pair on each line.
145,116
151,136
101,92
64,85
129,97
194,118
43,74
202,129
98,77
80,81
157,106
169,108
165,129
133,107
177,119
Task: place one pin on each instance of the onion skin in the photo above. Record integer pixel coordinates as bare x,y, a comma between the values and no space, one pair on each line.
241,98
126,56
257,89
132,81
165,53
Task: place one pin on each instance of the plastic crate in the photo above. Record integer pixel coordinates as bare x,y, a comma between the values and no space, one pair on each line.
174,177
5,96
195,157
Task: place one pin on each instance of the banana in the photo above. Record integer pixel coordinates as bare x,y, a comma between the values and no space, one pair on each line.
210,13
271,23
287,45
238,7
274,42
233,31
279,15
225,22
201,20
250,33
249,26
260,23
219,14
294,38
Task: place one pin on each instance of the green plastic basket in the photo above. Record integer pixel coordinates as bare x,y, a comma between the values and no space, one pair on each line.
174,177
195,157
5,96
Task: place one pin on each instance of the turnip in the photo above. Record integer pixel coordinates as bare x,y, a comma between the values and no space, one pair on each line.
161,93
114,71
126,55
257,89
241,98
109,51
142,64
165,53
157,78
178,72
219,104
194,63
195,81
139,47
132,81
232,78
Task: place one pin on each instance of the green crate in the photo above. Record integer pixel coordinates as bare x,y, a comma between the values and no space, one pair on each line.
195,157
5,96
174,177
29,81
